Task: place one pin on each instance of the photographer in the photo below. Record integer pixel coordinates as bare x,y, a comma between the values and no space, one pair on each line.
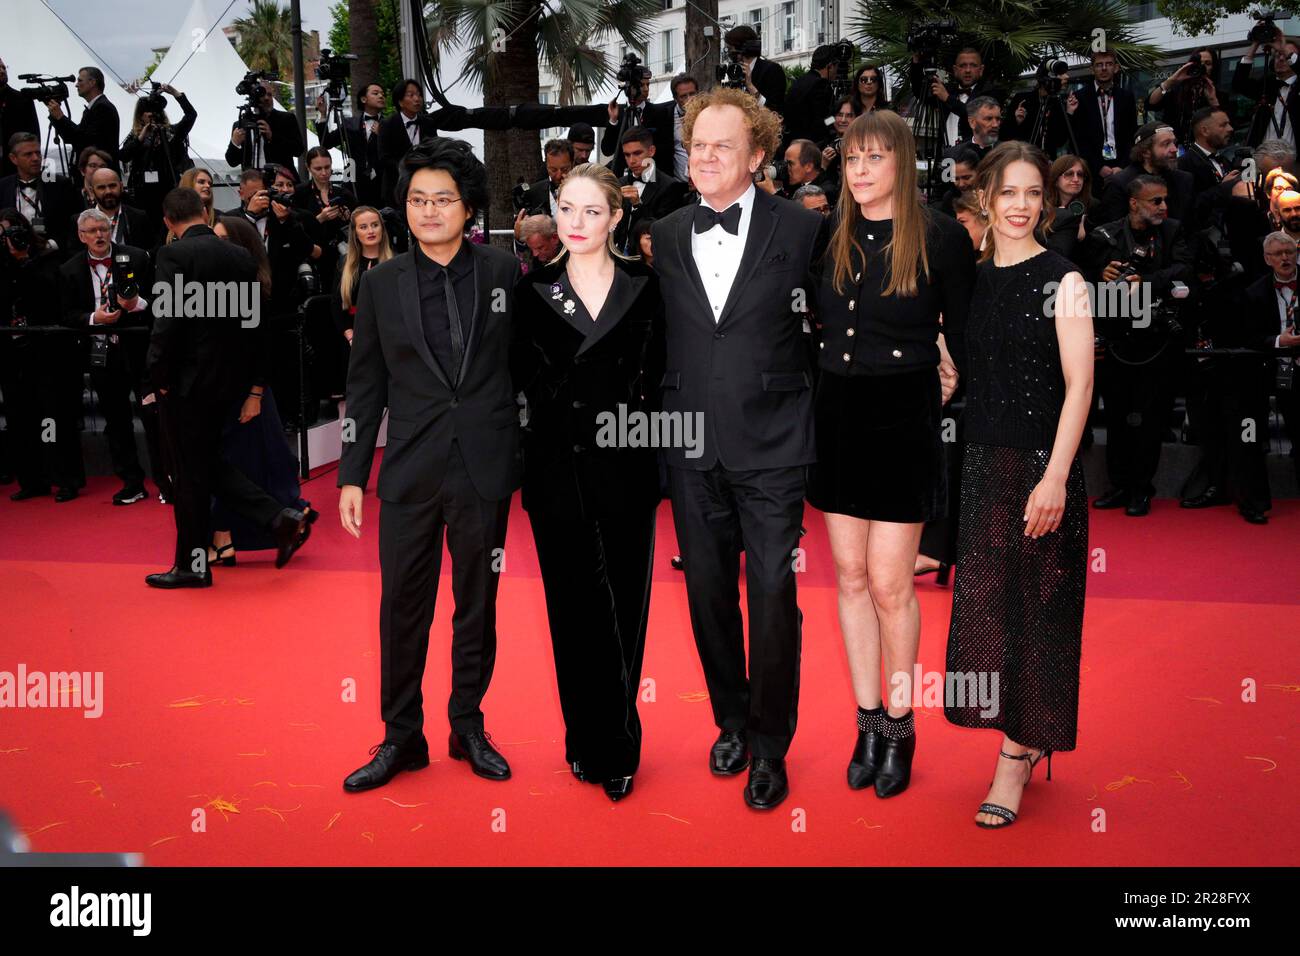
812,96
17,115
1104,117
1154,153
764,79
327,208
583,139
830,146
659,118
1190,89
952,97
47,206
99,121
1142,349
361,131
1270,322
1278,104
278,140
157,152
539,197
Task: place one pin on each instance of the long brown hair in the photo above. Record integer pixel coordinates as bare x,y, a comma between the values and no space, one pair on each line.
993,169
209,205
352,261
243,233
908,258
1059,168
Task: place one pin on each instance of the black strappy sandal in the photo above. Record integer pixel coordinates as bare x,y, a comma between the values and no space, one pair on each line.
1003,812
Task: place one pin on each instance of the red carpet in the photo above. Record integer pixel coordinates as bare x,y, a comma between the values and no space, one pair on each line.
230,699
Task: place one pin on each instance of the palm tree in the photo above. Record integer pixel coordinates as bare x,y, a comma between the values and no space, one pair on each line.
363,36
264,38
509,39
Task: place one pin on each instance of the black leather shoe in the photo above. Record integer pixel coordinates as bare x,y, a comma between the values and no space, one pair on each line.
476,747
1115,498
388,760
1255,517
290,530
618,788
866,759
730,753
1139,507
767,785
676,562
129,495
22,494
176,578
895,771
1208,498
66,494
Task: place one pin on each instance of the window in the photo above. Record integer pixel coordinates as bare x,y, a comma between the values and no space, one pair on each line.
820,26
755,18
789,25
666,39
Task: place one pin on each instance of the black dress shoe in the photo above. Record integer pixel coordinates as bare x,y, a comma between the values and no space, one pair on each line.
730,753
618,788
388,760
1139,506
866,759
676,562
1115,498
22,494
1255,517
1208,498
896,753
767,785
129,495
290,530
179,579
476,747
66,494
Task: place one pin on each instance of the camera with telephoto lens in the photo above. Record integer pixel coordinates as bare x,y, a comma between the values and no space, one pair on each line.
1054,79
1196,69
926,39
125,283
268,183
308,281
19,235
1285,378
154,101
48,88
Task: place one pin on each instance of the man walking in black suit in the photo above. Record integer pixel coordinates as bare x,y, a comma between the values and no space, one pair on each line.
431,344
99,126
733,273
811,98
199,366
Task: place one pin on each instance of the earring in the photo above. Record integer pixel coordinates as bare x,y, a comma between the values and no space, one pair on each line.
984,212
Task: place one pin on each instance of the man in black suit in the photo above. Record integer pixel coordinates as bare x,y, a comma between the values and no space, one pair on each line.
803,162
99,124
91,297
17,115
639,114
199,365
1154,153
1277,113
1212,181
984,120
952,98
279,140
764,80
539,198
733,270
1104,118
811,99
130,226
48,206
648,192
583,139
361,133
431,343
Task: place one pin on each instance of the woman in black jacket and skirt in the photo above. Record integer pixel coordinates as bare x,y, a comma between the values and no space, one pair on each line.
588,357
892,269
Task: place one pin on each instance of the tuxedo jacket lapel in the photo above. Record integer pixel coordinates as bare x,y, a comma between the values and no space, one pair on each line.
408,293
762,226
622,293
685,231
478,316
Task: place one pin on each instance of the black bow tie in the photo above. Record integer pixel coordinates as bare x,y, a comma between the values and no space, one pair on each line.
30,184
414,122
706,218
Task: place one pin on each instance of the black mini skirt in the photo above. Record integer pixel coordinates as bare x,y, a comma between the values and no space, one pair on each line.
880,453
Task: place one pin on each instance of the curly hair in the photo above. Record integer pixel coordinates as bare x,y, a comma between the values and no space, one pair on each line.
764,126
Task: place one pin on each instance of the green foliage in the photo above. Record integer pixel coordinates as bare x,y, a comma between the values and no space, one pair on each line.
1196,17
387,21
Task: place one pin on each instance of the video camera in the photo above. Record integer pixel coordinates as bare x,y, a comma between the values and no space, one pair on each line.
1054,79
250,87
336,68
631,77
927,38
1265,29
50,88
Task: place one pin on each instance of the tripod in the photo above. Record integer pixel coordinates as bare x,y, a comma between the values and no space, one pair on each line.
53,139
335,114
928,124
1042,122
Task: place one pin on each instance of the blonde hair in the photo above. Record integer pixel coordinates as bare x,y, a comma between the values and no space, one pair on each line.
352,261
993,169
607,183
763,125
906,250
187,181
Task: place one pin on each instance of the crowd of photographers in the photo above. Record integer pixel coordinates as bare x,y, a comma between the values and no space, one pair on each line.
1200,227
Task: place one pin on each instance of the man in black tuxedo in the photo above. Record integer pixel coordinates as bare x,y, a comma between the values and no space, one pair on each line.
1277,113
99,124
984,120
361,133
431,343
811,98
279,141
952,98
733,273
1154,153
1104,118
91,297
17,115
803,162
639,114
200,367
1212,181
48,206
539,198
648,192
764,80
130,226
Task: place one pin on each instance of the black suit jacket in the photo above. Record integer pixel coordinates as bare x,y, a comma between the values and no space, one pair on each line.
59,200
207,356
134,223
769,79
1264,92
77,295
99,127
17,115
1257,324
808,104
1114,198
659,118
284,148
572,370
1088,132
537,198
661,197
750,373
391,366
364,154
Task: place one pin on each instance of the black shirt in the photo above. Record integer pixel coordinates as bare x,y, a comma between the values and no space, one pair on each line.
433,301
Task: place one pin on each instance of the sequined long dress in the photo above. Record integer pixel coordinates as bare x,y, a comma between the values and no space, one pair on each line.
1017,614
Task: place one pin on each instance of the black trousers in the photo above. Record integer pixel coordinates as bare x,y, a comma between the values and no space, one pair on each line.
192,432
1137,399
1232,428
410,559
42,386
596,568
113,384
718,513
1288,403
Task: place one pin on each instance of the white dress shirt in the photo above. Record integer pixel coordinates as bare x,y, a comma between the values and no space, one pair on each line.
1284,297
412,132
717,253
1106,105
101,277
647,176
1281,128
1218,167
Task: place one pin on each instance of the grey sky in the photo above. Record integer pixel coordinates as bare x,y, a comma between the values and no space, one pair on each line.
124,38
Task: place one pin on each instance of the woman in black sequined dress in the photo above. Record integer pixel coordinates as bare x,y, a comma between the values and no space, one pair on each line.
1022,551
